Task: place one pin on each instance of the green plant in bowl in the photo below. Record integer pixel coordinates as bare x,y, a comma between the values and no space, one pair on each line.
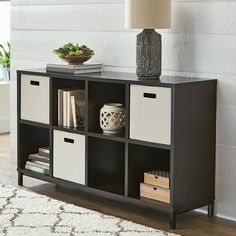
74,53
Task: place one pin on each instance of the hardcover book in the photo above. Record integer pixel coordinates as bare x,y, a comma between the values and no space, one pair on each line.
75,69
36,169
38,157
38,165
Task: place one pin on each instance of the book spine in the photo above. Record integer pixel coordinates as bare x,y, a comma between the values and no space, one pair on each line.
42,163
81,106
53,67
60,106
73,111
33,158
36,169
30,163
64,108
77,72
43,154
68,109
43,157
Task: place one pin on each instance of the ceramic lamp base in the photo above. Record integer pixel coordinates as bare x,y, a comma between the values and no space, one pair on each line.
148,54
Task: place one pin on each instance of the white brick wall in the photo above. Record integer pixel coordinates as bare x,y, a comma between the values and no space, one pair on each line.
202,43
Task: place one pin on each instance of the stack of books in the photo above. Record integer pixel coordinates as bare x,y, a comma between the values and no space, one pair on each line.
75,69
39,162
71,107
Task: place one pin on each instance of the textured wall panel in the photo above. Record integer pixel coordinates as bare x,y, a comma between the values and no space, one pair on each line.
225,184
182,52
226,125
68,2
191,17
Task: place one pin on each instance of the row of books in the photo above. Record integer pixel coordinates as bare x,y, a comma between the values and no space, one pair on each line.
71,107
39,162
75,69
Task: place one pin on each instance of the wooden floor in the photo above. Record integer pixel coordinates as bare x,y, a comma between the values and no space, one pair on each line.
192,223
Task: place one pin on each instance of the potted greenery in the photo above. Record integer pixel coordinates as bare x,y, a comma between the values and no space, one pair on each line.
5,61
73,53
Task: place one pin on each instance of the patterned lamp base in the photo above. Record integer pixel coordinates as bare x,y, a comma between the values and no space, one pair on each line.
149,54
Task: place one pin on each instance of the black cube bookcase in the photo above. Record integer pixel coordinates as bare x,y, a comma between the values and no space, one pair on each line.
184,120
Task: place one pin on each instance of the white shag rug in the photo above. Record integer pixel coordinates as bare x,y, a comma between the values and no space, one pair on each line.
27,213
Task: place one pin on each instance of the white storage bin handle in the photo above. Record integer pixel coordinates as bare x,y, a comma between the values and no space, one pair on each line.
69,140
34,83
149,95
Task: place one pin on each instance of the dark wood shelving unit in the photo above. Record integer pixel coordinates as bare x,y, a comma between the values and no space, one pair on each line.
114,165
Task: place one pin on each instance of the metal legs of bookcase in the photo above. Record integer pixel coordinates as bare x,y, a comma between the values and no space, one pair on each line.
210,209
172,220
173,214
20,179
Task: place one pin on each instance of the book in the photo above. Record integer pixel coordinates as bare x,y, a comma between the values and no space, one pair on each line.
42,163
79,97
68,107
36,169
60,107
32,163
78,111
75,72
65,108
75,67
38,157
74,112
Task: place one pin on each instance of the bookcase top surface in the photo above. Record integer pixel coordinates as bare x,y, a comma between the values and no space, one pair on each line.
119,76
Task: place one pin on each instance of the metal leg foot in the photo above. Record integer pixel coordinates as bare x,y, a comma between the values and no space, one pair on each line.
20,179
172,220
210,209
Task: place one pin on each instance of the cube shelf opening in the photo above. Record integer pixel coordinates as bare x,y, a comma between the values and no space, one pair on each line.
142,159
100,93
60,83
31,138
106,165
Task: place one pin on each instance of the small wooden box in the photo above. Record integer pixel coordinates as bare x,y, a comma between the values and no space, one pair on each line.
155,193
157,178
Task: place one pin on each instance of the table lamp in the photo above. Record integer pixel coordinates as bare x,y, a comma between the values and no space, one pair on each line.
148,15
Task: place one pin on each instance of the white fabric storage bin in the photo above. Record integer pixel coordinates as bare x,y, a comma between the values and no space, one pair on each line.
150,114
69,156
35,98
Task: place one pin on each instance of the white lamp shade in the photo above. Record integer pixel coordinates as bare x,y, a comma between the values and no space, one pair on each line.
147,14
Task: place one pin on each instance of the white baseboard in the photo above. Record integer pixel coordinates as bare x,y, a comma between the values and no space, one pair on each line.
226,217
201,210
4,125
